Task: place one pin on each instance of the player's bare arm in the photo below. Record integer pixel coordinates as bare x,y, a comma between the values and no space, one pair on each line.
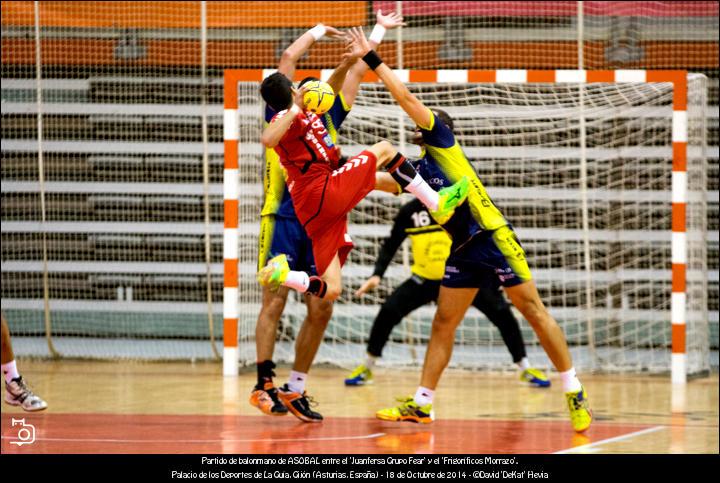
417,111
297,49
349,58
275,131
383,23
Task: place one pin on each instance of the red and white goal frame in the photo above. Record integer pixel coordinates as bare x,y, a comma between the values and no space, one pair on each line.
679,177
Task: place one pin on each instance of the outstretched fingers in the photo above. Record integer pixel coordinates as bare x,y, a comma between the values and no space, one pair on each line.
389,21
334,33
359,40
357,43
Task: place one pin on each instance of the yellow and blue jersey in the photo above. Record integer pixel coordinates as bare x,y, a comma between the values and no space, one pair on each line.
495,256
277,201
430,244
443,163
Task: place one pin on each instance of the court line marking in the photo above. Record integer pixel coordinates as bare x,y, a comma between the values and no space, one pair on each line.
203,441
611,440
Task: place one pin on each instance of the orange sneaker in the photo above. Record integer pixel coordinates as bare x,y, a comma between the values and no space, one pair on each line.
266,400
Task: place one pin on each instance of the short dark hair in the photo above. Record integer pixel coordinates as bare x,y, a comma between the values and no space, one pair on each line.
445,117
276,90
306,80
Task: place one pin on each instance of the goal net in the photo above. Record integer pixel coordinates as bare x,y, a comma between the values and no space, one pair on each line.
114,249
543,151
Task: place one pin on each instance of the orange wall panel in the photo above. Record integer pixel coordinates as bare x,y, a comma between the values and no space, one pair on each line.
286,14
418,55
17,13
184,14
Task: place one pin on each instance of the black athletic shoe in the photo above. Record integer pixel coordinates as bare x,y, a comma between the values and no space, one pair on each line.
299,404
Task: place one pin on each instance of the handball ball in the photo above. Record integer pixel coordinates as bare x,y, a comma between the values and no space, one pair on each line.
319,97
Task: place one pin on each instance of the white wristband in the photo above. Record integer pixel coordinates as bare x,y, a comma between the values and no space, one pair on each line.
377,34
295,109
318,31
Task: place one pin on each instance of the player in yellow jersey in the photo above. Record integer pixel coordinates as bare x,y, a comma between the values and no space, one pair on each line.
430,246
282,233
485,253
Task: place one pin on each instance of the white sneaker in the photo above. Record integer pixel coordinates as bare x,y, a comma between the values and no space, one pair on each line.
18,394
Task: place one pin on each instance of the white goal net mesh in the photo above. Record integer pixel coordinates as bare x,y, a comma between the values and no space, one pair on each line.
122,104
526,143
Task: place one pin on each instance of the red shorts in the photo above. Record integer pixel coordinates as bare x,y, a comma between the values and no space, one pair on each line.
323,203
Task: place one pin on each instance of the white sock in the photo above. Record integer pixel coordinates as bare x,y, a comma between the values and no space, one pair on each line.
428,196
570,382
296,383
10,371
370,361
523,364
299,281
424,396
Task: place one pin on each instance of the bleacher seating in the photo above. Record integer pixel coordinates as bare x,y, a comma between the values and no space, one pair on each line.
104,231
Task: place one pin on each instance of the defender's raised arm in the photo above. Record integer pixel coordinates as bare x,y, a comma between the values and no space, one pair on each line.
302,44
418,112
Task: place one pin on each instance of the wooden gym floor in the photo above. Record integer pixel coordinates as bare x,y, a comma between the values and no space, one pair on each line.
131,407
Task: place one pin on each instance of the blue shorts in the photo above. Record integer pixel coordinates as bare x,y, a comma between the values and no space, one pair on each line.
286,235
488,260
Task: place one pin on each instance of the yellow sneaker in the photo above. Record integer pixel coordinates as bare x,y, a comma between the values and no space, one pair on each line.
535,377
360,376
580,413
408,410
450,198
274,273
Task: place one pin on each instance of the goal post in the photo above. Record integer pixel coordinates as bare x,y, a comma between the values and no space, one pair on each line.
540,95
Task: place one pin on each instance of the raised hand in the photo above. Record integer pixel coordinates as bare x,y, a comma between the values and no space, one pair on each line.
334,33
352,50
357,42
298,95
389,21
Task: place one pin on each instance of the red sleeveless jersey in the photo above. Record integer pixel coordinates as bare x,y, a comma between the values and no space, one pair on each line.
321,193
306,144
